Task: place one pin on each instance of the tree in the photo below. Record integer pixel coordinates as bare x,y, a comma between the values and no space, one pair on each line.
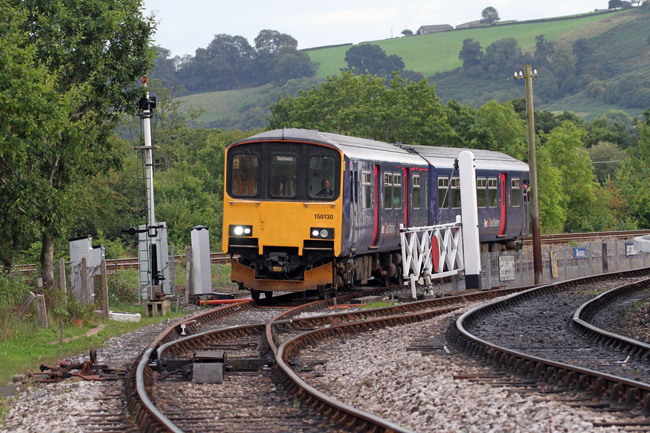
606,158
632,179
371,59
362,106
490,16
568,154
93,53
407,32
507,129
543,50
501,56
615,4
291,63
471,53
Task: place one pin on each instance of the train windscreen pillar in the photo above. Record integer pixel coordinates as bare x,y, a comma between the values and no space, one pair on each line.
469,212
201,260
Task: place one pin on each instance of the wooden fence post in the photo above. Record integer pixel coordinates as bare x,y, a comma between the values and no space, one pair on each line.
41,311
104,290
62,280
25,304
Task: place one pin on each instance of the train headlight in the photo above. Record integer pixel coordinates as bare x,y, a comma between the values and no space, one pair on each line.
237,230
321,233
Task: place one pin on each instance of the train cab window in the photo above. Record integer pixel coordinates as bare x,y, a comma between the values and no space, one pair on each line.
366,190
397,191
493,192
515,193
283,176
244,175
388,190
481,192
443,185
416,191
322,177
455,193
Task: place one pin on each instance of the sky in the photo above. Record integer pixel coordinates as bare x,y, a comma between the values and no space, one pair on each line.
184,26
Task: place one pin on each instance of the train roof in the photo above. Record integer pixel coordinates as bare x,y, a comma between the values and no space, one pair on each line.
363,148
485,159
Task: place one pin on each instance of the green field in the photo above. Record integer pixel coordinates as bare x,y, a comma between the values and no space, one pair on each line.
438,52
218,105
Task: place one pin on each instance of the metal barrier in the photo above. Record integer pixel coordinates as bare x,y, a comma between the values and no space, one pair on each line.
431,252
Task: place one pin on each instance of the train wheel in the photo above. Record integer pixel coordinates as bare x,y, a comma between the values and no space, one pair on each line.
322,292
255,294
268,294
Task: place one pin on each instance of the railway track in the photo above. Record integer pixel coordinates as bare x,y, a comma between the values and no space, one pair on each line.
586,237
276,340
541,340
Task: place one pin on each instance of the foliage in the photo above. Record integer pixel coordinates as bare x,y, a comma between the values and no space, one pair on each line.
407,32
507,129
632,178
490,15
568,154
471,53
552,197
230,62
606,158
363,106
371,59
88,56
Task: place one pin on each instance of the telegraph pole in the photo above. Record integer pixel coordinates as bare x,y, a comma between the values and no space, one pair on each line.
532,163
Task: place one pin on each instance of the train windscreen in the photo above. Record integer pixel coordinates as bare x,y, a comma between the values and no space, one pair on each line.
283,171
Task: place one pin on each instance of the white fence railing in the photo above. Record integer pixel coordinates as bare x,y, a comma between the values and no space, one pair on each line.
431,252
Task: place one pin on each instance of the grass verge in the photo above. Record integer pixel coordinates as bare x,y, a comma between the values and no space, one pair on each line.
27,352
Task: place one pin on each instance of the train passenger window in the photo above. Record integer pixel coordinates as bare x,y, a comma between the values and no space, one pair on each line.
322,177
493,192
283,176
455,193
481,192
515,193
416,191
443,200
365,190
244,175
388,190
397,191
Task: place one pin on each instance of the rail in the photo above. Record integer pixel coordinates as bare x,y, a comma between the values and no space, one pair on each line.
565,376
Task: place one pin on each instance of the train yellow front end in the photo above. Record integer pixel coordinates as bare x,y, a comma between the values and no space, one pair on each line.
282,214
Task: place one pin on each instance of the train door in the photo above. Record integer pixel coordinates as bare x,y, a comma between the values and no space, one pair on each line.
503,195
355,204
375,206
407,202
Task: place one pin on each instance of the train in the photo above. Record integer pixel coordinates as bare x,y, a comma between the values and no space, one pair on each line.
311,211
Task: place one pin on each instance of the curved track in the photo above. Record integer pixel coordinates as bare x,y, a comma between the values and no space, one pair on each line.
565,353
286,334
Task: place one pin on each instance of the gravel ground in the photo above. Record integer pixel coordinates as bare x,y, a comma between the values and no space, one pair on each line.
375,372
75,405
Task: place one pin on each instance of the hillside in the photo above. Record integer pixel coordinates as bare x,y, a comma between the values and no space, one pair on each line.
620,39
438,52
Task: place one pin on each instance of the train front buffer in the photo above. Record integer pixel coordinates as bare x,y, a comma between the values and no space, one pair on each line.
282,246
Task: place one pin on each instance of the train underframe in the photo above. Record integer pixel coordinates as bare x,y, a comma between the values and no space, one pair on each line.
318,272
279,271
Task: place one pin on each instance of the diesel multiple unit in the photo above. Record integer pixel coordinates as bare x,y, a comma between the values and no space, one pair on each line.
307,210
